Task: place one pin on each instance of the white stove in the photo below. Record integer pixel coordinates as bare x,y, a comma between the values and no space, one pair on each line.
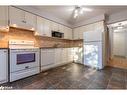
24,59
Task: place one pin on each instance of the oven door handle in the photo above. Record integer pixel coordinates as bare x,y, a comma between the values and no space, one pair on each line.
23,51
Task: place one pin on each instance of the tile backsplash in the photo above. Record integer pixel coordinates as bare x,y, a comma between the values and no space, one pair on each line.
40,41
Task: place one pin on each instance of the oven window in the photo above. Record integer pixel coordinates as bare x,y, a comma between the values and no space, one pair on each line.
25,58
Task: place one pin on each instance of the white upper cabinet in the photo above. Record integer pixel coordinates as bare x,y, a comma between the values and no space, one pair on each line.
54,26
82,29
40,26
66,30
76,33
47,27
30,20
61,28
4,18
43,27
69,33
22,19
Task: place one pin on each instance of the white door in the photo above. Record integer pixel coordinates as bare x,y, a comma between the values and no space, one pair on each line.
3,65
93,54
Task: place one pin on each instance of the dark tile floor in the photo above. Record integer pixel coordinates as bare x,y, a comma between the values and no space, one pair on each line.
74,76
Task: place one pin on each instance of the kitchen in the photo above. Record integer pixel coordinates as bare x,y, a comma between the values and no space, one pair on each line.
40,53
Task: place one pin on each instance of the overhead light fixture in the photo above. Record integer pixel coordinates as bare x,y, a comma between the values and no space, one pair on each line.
120,27
80,10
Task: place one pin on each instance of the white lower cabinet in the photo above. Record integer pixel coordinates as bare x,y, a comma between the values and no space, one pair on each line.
47,58
64,55
70,54
55,57
3,66
58,55
78,54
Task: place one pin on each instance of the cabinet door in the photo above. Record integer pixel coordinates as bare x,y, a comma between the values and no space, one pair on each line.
54,26
76,33
47,28
16,17
69,33
4,18
30,20
61,28
64,55
22,19
58,58
47,57
40,26
65,32
3,65
81,32
70,54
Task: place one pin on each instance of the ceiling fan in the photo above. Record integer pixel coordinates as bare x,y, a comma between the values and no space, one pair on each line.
78,10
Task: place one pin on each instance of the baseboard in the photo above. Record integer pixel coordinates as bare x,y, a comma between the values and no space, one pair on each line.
44,68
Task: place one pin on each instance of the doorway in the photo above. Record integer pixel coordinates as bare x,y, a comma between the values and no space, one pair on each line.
118,44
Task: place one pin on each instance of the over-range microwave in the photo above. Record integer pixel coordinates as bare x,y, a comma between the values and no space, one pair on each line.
57,34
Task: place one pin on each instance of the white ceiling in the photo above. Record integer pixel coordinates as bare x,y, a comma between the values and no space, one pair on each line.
66,12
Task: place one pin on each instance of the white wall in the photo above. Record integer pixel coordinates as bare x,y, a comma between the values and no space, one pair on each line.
119,43
117,17
91,20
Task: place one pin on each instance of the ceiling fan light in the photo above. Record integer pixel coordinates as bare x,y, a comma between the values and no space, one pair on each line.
76,11
81,11
75,15
87,9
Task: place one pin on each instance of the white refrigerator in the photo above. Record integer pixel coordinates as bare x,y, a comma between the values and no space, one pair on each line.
93,49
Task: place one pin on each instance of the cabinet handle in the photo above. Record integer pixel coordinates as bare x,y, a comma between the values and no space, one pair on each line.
5,51
26,67
24,21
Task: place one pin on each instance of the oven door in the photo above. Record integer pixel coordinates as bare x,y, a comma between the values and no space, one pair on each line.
23,59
